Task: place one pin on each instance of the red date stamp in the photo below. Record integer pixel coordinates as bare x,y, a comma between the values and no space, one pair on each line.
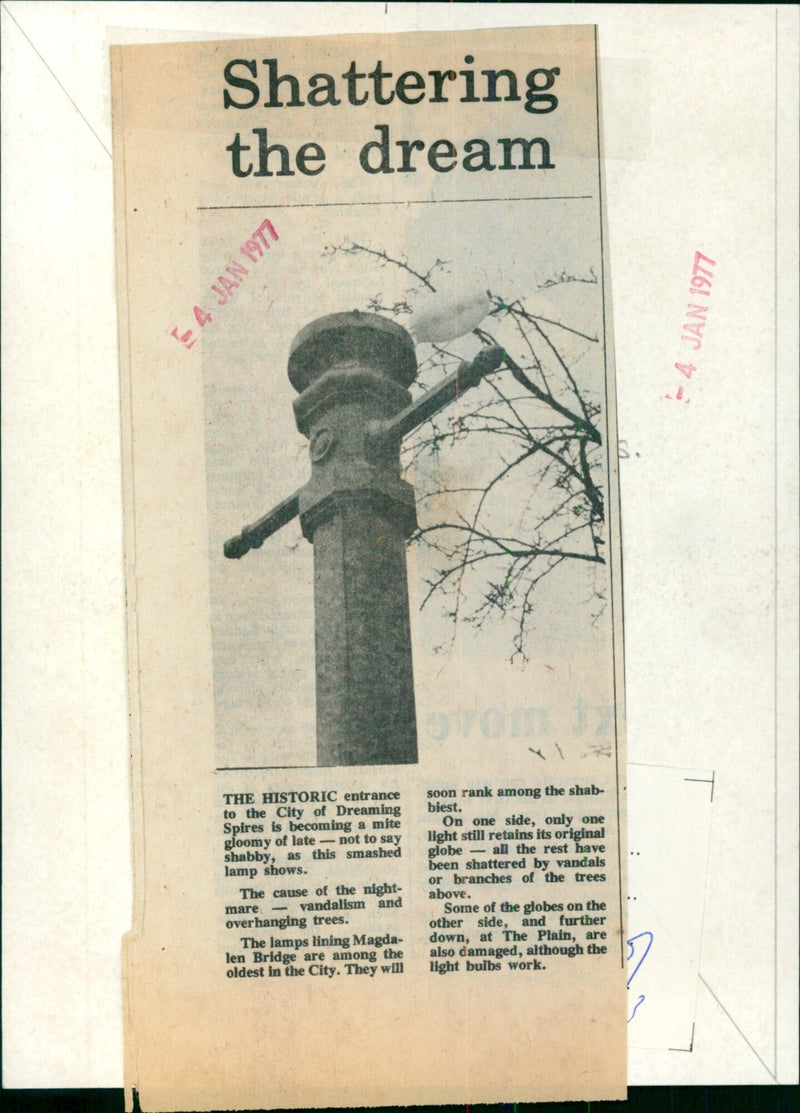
253,250
696,317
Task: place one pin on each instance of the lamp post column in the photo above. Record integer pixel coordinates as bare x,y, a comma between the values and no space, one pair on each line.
353,370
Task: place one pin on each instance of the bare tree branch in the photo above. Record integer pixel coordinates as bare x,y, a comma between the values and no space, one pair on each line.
480,569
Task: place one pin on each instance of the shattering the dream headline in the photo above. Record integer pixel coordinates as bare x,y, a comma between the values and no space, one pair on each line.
385,155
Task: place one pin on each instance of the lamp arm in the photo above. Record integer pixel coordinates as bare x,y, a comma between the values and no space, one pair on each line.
467,375
379,434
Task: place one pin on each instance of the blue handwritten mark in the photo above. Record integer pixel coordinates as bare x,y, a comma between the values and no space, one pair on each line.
643,935
635,1007
631,942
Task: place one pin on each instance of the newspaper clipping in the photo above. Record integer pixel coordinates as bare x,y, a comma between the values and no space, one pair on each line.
372,547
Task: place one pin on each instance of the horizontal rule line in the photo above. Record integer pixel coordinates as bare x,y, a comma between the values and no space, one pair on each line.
358,204
245,768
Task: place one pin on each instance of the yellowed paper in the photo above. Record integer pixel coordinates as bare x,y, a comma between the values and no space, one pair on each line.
388,870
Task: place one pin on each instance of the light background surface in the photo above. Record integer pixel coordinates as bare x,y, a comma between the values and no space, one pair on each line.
700,112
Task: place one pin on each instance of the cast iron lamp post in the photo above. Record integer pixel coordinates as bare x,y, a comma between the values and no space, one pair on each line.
352,372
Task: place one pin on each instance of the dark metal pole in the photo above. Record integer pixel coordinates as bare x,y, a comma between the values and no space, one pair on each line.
352,371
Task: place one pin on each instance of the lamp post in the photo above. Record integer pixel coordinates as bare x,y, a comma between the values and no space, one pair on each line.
352,371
